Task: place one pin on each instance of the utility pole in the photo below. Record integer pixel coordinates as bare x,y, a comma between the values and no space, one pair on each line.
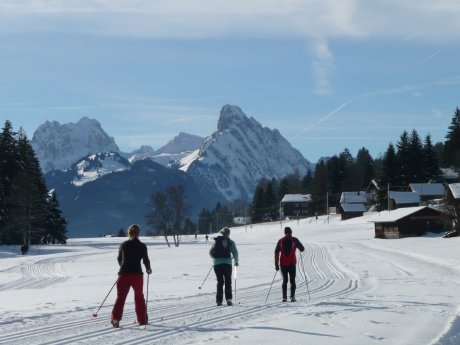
327,206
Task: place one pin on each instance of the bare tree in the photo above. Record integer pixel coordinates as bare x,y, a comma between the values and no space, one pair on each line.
169,211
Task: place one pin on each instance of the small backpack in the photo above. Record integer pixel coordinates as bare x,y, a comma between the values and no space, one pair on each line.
221,248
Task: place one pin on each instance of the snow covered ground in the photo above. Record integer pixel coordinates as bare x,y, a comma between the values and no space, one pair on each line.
360,290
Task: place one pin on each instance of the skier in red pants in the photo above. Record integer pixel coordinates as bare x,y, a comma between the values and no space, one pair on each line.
130,254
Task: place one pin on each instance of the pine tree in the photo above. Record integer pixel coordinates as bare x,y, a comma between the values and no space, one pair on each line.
390,166
403,155
28,199
9,166
56,224
431,169
415,160
364,169
452,143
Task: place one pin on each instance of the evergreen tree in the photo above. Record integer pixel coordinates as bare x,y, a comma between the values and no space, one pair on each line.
452,143
364,169
258,204
9,165
404,159
307,182
415,160
27,202
390,166
320,187
430,162
204,221
56,224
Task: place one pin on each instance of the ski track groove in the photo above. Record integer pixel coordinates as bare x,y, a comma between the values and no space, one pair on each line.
40,274
175,322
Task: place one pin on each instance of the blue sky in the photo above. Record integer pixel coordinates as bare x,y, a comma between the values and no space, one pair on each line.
327,74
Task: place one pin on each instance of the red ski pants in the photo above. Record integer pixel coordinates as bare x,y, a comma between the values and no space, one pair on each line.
124,283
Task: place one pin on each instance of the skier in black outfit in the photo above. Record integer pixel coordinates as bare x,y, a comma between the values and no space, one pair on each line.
285,257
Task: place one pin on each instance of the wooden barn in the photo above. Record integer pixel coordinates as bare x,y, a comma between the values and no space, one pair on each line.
295,205
409,221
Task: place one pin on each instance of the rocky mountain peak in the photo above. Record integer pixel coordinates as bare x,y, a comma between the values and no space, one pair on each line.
58,145
230,115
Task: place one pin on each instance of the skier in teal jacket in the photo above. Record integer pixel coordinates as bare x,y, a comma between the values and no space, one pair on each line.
223,252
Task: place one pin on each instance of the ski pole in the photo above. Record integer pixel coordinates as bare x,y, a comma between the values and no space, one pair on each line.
306,280
147,300
271,286
199,287
235,284
95,314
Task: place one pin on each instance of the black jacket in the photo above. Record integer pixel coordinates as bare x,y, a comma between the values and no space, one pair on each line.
130,254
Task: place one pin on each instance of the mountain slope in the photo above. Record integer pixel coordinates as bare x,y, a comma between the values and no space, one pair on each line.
174,150
232,160
116,200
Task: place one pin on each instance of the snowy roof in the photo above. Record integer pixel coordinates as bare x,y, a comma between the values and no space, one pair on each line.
428,188
455,189
405,197
354,197
449,173
353,207
296,198
394,215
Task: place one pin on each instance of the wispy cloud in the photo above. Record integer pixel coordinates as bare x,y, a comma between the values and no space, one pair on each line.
429,57
223,18
410,88
323,66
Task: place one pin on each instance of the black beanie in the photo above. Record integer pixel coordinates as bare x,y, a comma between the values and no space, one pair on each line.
287,230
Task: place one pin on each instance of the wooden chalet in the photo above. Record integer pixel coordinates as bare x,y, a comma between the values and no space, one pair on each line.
409,221
428,191
353,204
295,205
348,211
403,199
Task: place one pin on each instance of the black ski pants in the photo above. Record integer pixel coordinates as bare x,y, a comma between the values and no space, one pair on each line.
224,277
288,274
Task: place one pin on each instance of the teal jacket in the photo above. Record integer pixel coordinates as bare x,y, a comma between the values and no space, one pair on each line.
228,261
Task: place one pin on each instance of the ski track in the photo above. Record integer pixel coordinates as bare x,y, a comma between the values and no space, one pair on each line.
40,274
175,321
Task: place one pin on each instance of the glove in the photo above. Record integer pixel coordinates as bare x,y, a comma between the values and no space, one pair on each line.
236,263
277,267
149,271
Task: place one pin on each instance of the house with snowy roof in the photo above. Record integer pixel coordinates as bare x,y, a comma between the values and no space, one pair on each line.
354,204
454,190
295,205
428,191
403,199
408,221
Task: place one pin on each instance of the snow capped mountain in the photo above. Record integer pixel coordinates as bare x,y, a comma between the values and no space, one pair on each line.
177,148
240,152
57,145
97,165
93,200
144,152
